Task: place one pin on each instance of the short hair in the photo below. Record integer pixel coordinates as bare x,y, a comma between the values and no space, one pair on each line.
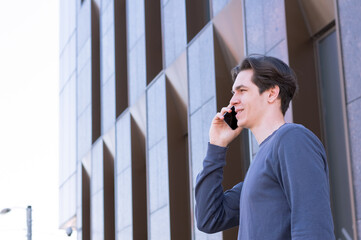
269,72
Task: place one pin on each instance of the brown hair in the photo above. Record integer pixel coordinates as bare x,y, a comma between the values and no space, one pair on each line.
269,72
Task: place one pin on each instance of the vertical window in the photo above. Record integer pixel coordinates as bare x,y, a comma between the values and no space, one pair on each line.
198,14
139,182
334,129
121,71
153,38
95,39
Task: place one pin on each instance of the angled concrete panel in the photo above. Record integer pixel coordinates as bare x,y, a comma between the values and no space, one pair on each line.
158,181
136,71
107,55
67,23
135,21
97,170
274,22
123,147
83,24
156,112
200,122
67,134
174,30
67,61
254,26
218,5
108,105
84,93
84,140
123,185
97,216
349,21
159,222
354,116
201,72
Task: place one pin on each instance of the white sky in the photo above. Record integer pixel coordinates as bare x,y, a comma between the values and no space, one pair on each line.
29,90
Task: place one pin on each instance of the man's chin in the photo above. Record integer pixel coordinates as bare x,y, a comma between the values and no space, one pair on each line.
242,124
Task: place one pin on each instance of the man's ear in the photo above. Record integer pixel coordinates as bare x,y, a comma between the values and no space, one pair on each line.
273,93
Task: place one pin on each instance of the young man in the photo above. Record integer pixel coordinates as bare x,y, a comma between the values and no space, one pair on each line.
285,194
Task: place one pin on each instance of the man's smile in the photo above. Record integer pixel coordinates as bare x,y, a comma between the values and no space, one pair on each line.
239,111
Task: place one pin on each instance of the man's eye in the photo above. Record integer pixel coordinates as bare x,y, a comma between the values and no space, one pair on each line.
243,90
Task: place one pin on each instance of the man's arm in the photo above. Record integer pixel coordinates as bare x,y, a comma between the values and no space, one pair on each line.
303,174
215,211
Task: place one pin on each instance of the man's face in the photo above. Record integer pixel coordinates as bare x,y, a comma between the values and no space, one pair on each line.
248,103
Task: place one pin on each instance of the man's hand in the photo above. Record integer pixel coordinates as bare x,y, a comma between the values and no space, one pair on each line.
220,133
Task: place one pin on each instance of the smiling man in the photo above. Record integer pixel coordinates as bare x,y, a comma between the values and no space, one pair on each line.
285,194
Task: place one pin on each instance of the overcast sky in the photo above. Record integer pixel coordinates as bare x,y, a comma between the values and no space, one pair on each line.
29,112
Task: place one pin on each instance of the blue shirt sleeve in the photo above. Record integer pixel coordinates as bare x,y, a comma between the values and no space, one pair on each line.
302,172
215,210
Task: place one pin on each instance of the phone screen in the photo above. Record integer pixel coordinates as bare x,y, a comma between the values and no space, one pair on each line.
230,118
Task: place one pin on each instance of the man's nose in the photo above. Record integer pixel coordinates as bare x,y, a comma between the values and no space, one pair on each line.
234,100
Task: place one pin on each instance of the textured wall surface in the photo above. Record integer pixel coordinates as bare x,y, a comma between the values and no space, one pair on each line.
174,29
158,184
349,21
193,78
123,189
202,102
265,29
107,66
67,112
193,72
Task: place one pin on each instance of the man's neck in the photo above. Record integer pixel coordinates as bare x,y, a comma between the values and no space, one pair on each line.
266,128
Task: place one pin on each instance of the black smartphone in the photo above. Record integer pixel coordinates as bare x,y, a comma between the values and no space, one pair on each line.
230,118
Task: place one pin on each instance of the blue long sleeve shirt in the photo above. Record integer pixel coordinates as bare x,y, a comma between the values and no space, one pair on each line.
285,194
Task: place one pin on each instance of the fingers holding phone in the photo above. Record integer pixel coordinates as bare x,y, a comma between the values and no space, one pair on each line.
224,127
230,118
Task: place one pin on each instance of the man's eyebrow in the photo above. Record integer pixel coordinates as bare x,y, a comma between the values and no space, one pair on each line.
238,87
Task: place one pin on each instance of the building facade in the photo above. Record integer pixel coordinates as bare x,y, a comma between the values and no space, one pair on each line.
140,82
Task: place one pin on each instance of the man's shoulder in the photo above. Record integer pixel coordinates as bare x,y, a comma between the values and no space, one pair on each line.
292,133
296,140
293,130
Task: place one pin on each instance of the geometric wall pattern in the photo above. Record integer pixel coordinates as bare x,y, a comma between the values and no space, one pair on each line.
140,82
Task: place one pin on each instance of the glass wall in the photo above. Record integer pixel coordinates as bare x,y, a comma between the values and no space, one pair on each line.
334,134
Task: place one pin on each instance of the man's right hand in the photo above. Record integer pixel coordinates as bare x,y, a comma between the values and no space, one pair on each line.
220,133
